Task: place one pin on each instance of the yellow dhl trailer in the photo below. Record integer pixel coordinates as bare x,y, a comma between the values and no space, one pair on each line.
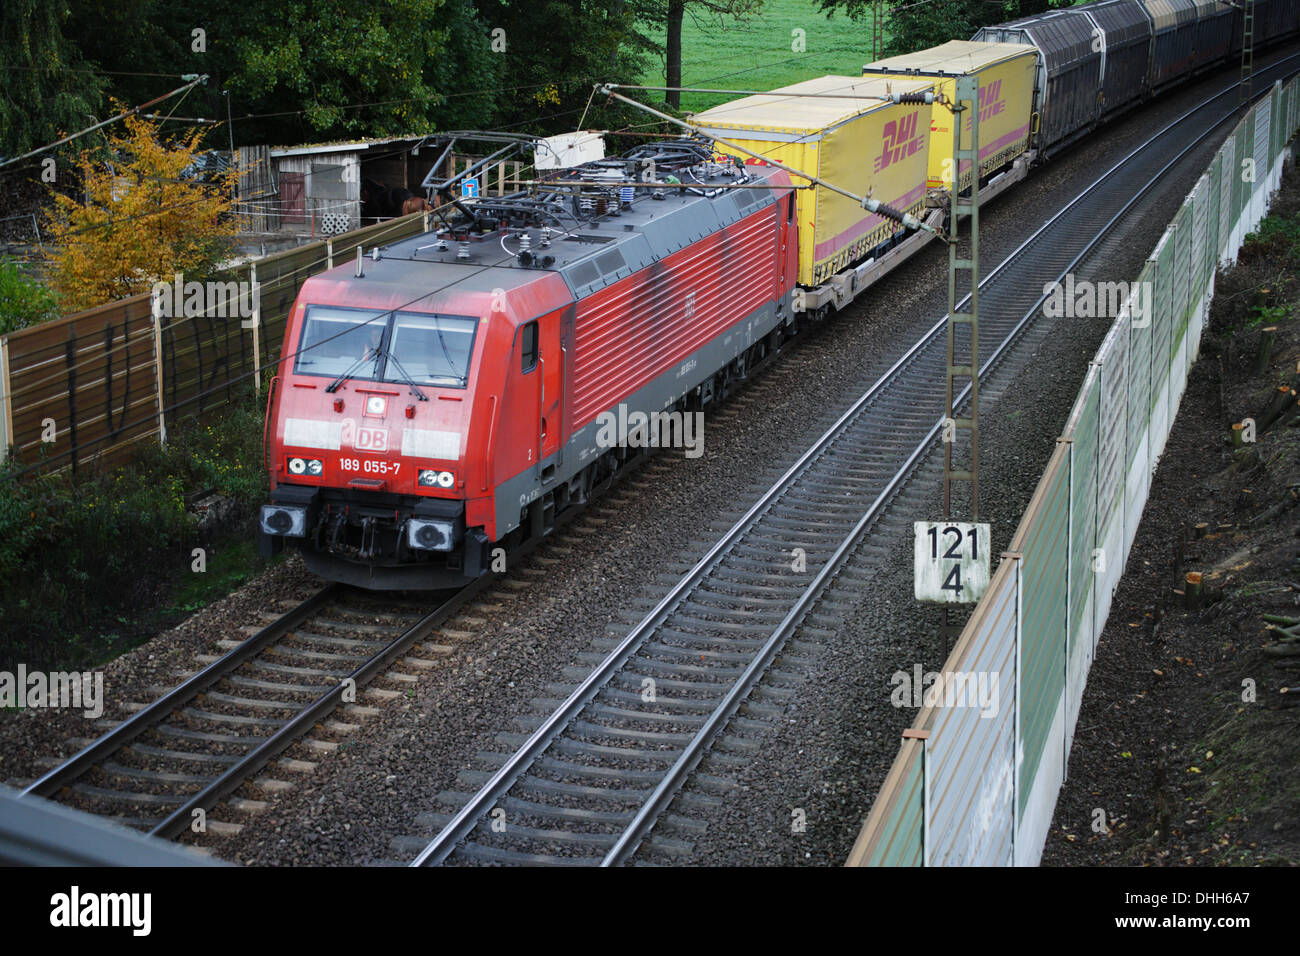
1006,97
831,128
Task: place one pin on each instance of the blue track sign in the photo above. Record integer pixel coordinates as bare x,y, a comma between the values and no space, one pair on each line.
469,189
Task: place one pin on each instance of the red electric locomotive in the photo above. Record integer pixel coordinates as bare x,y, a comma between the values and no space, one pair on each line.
446,396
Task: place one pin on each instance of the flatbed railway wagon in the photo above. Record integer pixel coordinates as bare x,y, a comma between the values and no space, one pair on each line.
838,128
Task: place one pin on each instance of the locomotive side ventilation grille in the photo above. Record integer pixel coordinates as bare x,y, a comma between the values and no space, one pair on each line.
584,273
630,333
746,198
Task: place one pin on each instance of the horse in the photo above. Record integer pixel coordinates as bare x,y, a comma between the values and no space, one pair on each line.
403,202
380,202
416,204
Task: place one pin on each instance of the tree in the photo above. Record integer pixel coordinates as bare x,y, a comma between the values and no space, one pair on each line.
912,25
672,13
381,54
140,222
467,74
301,70
45,90
555,51
312,70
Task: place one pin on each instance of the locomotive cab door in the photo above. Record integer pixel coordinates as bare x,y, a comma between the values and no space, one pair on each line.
552,360
526,395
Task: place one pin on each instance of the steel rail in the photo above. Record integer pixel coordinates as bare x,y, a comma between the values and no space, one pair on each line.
234,776
663,794
239,771
121,735
472,812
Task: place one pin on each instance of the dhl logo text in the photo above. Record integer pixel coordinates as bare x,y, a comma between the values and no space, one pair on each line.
901,141
991,102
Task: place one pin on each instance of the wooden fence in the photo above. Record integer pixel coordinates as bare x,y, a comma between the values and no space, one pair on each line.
87,387
498,179
257,193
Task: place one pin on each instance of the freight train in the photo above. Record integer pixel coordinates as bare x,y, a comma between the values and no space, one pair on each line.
454,394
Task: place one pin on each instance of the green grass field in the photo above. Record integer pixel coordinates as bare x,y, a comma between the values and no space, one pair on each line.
759,53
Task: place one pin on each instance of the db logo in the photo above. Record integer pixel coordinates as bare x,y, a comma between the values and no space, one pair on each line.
371,439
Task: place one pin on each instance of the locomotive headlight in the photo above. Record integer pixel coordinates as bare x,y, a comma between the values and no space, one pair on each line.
305,466
429,478
425,535
376,404
290,521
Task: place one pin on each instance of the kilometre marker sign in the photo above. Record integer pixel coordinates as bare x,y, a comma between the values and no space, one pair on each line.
951,561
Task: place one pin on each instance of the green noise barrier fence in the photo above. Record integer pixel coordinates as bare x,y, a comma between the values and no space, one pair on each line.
977,785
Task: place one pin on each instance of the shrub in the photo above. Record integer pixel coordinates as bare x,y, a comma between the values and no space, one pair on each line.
84,560
23,301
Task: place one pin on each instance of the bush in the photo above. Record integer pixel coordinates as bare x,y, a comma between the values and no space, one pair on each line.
89,562
23,301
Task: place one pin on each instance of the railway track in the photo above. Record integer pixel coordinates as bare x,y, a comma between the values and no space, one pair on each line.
594,768
199,742
172,761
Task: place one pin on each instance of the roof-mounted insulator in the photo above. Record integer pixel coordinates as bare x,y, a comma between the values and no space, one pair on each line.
625,195
462,252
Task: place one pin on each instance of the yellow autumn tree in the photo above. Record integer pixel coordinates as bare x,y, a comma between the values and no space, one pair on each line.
139,222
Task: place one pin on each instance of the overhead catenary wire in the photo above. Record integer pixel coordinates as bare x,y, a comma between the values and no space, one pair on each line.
315,263
398,150
120,116
99,357
278,280
866,202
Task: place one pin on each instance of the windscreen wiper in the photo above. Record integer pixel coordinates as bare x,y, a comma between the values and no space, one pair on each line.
446,354
370,355
406,377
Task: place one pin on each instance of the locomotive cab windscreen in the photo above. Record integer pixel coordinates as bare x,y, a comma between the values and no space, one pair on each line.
357,344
